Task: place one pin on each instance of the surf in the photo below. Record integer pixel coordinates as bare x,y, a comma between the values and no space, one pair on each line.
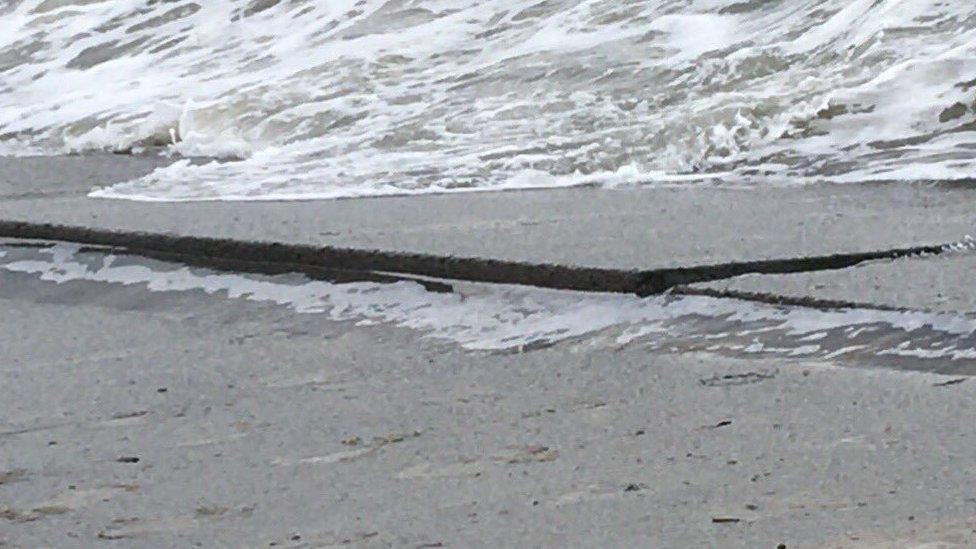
311,100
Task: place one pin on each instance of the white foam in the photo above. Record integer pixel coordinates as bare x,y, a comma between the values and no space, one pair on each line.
362,98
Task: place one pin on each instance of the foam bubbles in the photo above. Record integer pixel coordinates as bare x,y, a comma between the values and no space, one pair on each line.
362,98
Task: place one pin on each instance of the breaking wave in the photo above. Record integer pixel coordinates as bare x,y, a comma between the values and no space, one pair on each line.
369,97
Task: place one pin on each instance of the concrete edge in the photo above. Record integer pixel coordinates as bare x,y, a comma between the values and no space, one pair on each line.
261,256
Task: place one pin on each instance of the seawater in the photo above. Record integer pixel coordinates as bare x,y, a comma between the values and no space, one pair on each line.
346,98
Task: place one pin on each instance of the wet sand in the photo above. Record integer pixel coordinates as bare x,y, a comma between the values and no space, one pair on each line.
156,419
643,240
150,419
638,228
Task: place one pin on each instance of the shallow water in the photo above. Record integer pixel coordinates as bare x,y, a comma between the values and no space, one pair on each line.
355,98
500,318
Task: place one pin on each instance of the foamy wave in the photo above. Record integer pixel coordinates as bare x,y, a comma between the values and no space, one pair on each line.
370,97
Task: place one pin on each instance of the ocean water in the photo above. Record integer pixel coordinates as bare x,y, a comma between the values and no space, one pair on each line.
345,98
499,318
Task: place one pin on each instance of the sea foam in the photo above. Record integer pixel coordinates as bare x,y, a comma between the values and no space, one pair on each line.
372,97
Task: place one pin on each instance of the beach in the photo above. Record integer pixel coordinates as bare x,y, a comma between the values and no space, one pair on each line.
452,273
165,400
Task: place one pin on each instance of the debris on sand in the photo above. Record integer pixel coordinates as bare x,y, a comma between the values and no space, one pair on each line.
729,380
956,381
52,509
529,454
13,475
210,511
13,515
